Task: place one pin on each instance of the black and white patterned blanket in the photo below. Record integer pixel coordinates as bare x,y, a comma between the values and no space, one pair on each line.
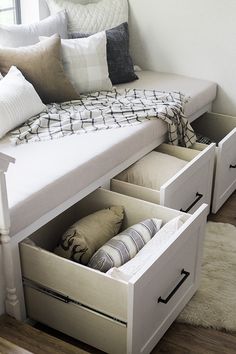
106,110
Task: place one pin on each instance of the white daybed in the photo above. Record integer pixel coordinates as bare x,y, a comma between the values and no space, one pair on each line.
49,177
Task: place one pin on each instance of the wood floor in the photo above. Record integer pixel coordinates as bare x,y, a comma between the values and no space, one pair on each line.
19,338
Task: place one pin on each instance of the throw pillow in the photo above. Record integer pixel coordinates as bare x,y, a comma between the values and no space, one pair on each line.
148,252
120,64
42,66
153,170
84,237
23,35
92,17
85,63
18,101
123,247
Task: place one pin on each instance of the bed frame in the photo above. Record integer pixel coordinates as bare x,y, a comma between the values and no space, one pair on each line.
14,296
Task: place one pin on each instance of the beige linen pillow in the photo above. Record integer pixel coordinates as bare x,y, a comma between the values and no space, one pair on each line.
87,235
153,170
41,65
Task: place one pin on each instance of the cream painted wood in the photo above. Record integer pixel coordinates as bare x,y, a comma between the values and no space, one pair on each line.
159,279
221,129
181,250
11,300
195,177
84,285
76,321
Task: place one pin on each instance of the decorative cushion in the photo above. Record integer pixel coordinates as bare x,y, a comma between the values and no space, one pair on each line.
126,245
153,170
85,63
23,35
150,250
18,101
92,17
87,235
120,64
42,66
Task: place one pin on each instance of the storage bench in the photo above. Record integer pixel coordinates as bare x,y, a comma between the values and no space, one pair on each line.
222,130
110,314
186,190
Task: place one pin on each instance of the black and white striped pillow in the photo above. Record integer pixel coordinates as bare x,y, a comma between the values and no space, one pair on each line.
124,246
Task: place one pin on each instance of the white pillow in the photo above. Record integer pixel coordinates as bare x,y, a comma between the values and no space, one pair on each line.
23,35
85,63
92,17
18,101
153,170
148,252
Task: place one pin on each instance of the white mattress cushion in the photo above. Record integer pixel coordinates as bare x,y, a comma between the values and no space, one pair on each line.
92,17
48,173
201,92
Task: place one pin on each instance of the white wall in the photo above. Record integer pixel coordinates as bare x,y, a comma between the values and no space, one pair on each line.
190,37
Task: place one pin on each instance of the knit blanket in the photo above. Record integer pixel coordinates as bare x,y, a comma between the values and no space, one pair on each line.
108,110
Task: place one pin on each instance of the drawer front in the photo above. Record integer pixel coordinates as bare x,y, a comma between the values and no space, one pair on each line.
165,287
192,186
187,190
80,323
225,173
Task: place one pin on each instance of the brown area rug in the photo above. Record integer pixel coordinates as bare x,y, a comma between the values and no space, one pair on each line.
214,304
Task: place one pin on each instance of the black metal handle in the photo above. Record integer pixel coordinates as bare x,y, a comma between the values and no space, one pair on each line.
198,197
165,301
232,166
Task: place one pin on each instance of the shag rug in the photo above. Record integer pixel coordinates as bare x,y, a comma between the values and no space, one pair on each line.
214,304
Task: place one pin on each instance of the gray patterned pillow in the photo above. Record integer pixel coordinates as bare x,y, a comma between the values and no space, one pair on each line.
120,64
121,248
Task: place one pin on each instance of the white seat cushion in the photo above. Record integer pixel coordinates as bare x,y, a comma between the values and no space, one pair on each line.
201,92
48,173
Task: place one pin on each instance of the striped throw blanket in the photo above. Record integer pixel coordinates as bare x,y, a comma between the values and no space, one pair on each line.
107,110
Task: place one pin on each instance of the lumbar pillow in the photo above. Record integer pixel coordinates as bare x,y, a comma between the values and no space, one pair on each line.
92,17
153,170
84,237
42,66
148,252
23,35
18,101
120,64
85,63
126,245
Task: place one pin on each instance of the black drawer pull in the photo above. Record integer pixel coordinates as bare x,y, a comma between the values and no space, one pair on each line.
165,301
198,197
232,166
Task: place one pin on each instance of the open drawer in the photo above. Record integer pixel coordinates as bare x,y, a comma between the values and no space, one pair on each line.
222,130
113,315
187,189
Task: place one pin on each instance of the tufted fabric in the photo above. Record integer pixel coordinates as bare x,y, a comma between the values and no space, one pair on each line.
93,17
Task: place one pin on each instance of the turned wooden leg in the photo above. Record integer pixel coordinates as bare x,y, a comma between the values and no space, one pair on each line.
12,303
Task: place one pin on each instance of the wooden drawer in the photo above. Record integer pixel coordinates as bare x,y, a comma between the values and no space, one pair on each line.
113,315
222,130
186,190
